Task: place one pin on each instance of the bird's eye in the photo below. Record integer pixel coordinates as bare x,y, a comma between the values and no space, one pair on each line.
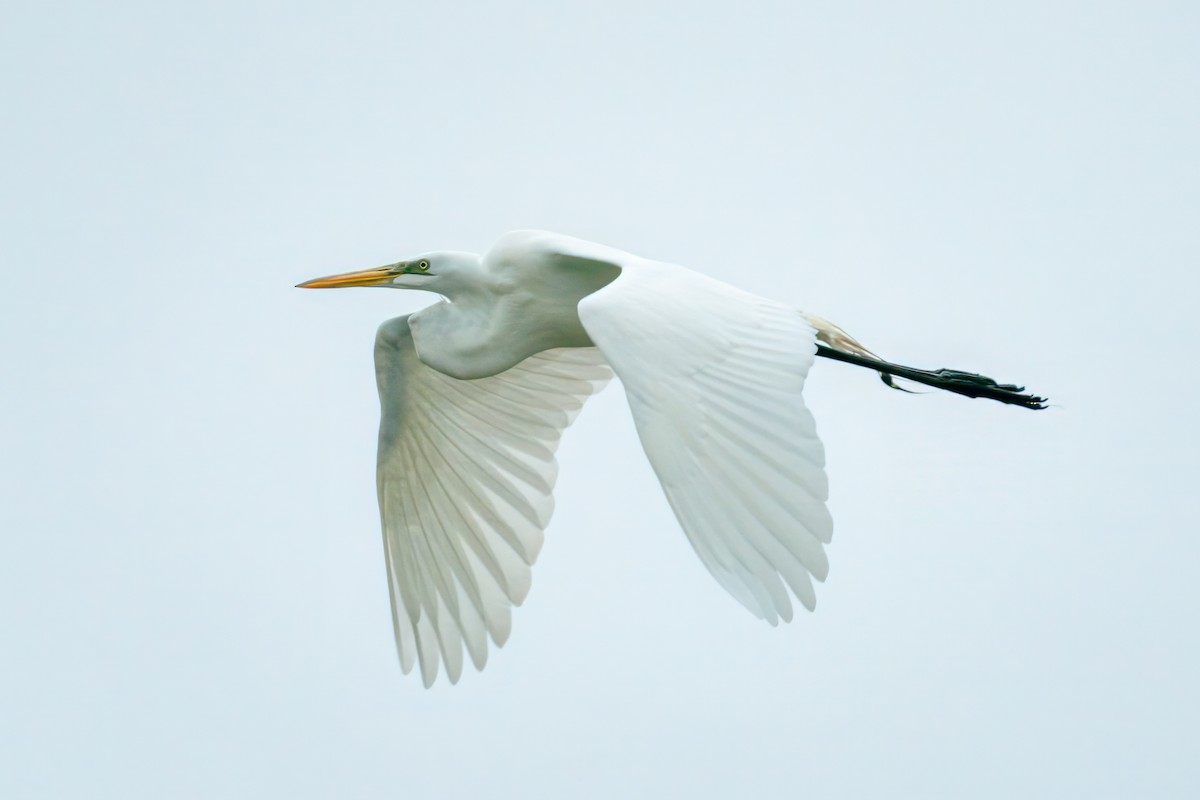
422,265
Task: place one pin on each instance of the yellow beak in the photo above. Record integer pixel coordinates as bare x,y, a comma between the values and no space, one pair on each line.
380,276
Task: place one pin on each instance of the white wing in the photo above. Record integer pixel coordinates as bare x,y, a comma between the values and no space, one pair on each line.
466,471
714,376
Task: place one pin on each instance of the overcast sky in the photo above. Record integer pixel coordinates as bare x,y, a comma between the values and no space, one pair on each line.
193,587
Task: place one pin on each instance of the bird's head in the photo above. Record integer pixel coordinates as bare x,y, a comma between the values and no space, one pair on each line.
446,273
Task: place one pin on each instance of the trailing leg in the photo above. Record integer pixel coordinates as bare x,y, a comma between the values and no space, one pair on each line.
840,346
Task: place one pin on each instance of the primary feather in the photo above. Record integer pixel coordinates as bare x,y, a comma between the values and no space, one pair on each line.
466,474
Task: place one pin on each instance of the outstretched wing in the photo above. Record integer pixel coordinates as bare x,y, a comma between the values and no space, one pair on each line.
466,472
714,377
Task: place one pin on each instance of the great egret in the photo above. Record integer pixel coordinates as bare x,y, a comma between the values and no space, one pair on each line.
477,391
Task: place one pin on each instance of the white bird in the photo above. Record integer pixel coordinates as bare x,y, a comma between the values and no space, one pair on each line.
477,391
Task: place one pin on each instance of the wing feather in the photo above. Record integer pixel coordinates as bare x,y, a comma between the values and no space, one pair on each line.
714,377
466,471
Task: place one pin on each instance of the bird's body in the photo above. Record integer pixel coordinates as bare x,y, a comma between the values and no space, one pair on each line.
476,392
521,299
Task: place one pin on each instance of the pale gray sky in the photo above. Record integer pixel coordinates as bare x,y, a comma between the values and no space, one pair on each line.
194,592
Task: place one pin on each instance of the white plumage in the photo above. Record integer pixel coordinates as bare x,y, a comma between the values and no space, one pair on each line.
466,475
713,376
477,391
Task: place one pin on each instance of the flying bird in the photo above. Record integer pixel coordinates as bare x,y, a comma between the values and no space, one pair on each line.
477,390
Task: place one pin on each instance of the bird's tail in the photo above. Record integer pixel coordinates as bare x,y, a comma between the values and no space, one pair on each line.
840,346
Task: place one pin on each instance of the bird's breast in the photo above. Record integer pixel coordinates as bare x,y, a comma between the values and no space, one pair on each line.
478,339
